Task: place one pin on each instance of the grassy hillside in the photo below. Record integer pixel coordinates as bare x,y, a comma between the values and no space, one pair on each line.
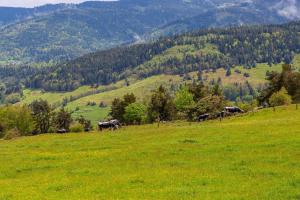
143,88
257,76
57,97
250,157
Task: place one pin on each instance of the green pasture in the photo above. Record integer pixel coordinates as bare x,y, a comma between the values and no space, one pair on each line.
255,156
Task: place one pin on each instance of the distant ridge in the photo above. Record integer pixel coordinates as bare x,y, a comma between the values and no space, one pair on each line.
54,33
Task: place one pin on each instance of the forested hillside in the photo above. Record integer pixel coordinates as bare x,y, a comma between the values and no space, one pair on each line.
54,33
12,15
197,51
87,27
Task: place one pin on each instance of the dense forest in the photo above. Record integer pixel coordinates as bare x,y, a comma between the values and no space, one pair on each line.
207,49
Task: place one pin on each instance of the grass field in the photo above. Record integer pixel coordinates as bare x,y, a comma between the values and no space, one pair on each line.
251,157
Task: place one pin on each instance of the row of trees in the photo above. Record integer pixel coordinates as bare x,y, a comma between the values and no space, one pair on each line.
189,102
193,100
38,118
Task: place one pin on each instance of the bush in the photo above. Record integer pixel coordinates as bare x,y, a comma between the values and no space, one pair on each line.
52,129
76,128
135,113
11,134
211,104
86,124
280,98
102,105
16,117
13,99
183,99
247,75
247,107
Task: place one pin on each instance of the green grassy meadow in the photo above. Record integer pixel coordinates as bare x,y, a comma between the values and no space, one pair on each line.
255,156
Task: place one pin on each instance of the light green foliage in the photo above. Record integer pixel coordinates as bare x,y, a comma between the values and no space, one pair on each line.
135,113
16,117
280,98
76,128
250,157
183,99
11,134
247,106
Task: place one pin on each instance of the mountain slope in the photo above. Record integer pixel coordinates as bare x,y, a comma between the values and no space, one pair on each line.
203,51
86,27
230,15
62,32
197,51
10,15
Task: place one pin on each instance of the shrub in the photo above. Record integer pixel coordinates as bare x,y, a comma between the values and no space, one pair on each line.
102,105
183,99
247,107
13,99
91,103
52,129
86,124
211,104
76,128
135,113
247,75
11,134
280,98
16,117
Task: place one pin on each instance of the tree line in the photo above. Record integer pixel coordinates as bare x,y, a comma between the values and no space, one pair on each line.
38,118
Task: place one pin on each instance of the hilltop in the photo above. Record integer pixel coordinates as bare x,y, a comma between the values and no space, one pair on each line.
251,157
